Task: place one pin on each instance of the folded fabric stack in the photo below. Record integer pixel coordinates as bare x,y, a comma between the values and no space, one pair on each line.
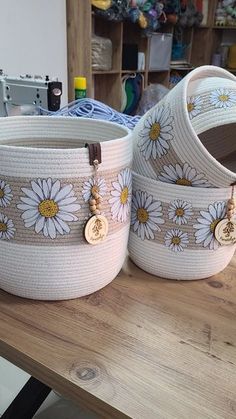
184,168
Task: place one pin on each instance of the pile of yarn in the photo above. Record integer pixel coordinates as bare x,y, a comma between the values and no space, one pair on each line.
225,14
148,14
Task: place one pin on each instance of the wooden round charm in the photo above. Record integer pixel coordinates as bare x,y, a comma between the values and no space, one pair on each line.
225,232
96,229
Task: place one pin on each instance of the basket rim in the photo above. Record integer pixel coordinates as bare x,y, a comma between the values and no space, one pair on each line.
170,188
205,70
65,121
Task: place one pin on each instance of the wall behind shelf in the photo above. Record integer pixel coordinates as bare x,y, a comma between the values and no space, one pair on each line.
33,38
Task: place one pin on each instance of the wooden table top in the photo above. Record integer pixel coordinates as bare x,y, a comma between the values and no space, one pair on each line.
142,347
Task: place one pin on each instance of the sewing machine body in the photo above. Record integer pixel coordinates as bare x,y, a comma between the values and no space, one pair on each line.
25,94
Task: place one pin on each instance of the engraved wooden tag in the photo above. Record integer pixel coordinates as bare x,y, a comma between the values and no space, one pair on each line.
225,232
96,229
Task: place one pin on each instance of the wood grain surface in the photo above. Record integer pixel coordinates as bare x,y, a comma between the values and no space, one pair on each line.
142,347
79,30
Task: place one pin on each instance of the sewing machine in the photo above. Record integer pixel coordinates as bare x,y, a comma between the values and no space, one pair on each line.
24,95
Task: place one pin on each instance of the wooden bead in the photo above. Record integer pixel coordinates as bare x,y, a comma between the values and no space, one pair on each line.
93,208
231,201
96,195
230,206
99,207
99,200
96,212
92,201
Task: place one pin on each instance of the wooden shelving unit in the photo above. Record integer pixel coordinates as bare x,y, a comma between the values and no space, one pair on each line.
105,86
207,40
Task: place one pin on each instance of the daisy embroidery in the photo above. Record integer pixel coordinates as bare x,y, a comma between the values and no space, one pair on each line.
146,215
180,211
49,206
194,106
93,185
183,175
5,194
121,196
207,224
176,240
156,133
223,98
7,229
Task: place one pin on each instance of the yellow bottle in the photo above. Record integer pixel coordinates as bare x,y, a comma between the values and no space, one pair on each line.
232,57
80,86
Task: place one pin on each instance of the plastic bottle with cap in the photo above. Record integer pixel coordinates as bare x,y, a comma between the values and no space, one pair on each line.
80,86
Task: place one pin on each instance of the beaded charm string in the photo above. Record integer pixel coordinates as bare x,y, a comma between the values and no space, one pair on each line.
231,204
96,227
225,230
96,200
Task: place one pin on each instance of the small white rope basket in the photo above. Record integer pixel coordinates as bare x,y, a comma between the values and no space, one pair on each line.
172,229
46,183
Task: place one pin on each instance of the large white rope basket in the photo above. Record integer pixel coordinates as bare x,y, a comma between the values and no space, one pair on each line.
46,182
188,138
172,229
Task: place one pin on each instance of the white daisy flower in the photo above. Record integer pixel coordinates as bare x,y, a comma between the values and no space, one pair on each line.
121,196
194,106
5,194
156,133
7,229
183,175
48,207
146,214
180,211
223,98
207,224
176,240
93,185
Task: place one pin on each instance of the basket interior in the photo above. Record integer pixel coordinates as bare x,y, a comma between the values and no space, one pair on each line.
220,143
56,133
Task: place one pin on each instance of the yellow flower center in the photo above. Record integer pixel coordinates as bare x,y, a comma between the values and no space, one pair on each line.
190,107
3,227
95,189
48,208
175,240
223,98
155,131
183,182
179,212
1,193
142,215
213,225
124,195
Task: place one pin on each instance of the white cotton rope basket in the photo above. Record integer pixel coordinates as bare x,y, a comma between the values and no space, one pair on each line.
46,182
190,133
172,229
